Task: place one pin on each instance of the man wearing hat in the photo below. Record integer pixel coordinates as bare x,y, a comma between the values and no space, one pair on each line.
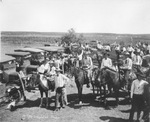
106,61
52,68
44,67
87,62
137,60
60,83
127,67
137,91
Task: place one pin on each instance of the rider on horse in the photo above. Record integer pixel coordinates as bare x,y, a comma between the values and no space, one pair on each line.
87,65
127,67
106,61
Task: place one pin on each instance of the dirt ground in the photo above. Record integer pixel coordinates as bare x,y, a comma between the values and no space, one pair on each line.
90,111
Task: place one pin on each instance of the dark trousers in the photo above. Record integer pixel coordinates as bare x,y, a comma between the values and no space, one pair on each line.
59,101
137,104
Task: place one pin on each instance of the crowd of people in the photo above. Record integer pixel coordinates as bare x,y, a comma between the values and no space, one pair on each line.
133,58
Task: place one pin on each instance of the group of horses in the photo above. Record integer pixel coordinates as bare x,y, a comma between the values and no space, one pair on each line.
102,79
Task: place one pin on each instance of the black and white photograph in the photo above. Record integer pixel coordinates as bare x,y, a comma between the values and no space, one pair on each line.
74,60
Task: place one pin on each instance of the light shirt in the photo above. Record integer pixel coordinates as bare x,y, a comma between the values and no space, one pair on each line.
53,72
107,47
130,49
57,63
137,60
128,64
132,55
141,53
106,63
124,49
41,69
137,87
47,67
80,56
60,80
117,48
87,46
88,62
115,68
99,46
148,48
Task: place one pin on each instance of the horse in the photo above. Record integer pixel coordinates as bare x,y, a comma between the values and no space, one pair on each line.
98,82
80,80
111,78
45,84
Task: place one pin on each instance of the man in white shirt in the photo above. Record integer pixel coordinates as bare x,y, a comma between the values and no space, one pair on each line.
52,68
44,68
124,49
107,48
127,67
79,58
106,61
99,46
137,91
148,49
57,62
60,82
86,46
130,49
137,60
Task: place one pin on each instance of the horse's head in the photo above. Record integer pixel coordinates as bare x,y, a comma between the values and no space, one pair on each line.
72,71
95,72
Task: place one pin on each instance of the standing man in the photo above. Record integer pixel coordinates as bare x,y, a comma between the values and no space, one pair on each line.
137,60
87,62
137,91
60,83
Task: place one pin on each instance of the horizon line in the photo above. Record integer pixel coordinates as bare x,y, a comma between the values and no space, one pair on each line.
81,32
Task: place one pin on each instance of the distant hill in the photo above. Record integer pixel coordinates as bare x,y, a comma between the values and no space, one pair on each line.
51,36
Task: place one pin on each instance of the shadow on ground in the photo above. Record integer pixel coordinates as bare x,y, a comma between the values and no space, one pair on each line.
88,100
112,119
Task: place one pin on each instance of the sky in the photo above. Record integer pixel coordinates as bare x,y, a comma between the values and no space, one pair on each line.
85,16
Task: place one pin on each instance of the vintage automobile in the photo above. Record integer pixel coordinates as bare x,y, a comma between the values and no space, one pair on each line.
37,57
13,82
53,49
7,66
22,58
15,90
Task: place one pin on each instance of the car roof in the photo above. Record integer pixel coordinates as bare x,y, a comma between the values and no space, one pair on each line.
18,54
6,59
31,50
52,48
